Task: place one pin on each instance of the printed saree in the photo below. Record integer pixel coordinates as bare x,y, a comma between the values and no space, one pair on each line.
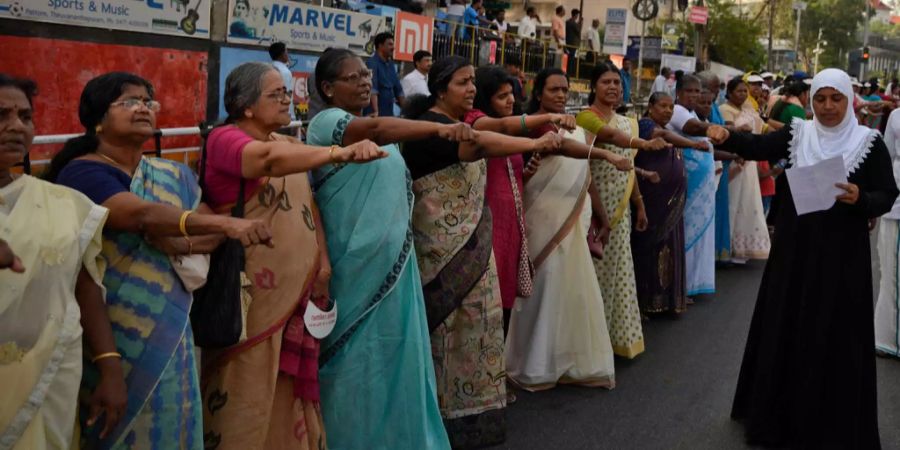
615,270
148,307
377,376
659,251
559,334
263,393
55,231
452,232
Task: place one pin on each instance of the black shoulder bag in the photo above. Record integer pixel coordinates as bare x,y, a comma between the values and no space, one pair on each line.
216,315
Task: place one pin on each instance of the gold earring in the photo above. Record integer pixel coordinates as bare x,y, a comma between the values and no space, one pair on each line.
98,129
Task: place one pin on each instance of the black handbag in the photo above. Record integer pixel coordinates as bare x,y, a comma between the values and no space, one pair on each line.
217,313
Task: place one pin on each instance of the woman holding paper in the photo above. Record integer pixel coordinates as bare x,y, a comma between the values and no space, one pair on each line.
808,375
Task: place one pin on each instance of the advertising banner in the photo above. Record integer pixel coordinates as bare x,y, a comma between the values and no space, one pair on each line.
301,66
414,33
614,38
186,18
687,64
652,48
302,26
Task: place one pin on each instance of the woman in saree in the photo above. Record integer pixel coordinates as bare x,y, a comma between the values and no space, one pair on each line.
699,207
56,272
452,233
280,407
494,111
808,377
749,232
148,304
559,334
379,354
659,260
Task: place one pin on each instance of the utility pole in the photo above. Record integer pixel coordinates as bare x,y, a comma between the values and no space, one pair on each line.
818,51
771,26
863,66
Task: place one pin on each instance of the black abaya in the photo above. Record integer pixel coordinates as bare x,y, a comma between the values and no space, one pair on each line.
808,375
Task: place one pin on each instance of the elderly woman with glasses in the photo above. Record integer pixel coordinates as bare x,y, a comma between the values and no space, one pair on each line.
264,392
154,211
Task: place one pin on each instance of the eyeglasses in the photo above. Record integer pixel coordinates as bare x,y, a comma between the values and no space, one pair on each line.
134,103
356,78
281,95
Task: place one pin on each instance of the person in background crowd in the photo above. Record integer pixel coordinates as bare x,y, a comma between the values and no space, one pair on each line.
528,24
768,79
660,82
154,211
416,81
472,18
659,252
619,193
282,62
381,325
573,39
386,88
625,75
43,297
812,328
749,233
559,334
455,12
452,228
500,22
887,309
281,407
699,210
672,83
558,29
592,37
514,69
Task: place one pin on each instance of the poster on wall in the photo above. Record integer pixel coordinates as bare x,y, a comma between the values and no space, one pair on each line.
687,64
614,38
186,18
302,26
301,66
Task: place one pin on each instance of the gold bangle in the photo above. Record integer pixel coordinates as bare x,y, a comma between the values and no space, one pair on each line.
106,355
190,246
331,154
631,143
182,224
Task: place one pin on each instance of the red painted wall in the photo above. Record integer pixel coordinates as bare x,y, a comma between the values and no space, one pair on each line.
62,68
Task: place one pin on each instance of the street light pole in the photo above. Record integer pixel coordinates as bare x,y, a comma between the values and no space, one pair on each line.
771,26
818,51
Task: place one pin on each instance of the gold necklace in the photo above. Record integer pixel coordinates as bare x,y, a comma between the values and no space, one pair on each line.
115,163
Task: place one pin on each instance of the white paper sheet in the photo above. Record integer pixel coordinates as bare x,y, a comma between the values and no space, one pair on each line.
813,187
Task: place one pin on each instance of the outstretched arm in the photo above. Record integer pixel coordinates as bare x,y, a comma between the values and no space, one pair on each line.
759,147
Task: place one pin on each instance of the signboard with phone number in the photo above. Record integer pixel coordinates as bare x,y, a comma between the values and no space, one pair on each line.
186,18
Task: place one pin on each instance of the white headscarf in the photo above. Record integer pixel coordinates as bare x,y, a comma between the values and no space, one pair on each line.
813,142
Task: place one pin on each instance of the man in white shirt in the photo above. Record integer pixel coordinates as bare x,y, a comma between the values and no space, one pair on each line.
659,84
416,82
528,24
592,37
281,61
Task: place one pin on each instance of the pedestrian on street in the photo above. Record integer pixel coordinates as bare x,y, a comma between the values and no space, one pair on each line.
573,40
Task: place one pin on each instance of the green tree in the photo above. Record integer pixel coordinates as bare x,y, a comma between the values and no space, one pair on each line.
733,40
839,21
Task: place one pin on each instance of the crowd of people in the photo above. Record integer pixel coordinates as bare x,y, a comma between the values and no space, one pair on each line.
470,248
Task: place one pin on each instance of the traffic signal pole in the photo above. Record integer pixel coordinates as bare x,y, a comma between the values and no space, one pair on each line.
865,62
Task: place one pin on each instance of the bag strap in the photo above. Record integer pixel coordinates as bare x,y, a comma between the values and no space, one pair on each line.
517,196
238,210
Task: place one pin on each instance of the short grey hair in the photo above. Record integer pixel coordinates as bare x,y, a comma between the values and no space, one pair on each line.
243,88
706,77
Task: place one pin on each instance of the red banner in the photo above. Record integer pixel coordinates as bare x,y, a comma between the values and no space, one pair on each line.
699,15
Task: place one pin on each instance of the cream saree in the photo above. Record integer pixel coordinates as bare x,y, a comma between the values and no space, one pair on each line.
749,232
559,334
55,231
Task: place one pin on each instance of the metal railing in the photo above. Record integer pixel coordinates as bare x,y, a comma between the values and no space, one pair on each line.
158,135
486,46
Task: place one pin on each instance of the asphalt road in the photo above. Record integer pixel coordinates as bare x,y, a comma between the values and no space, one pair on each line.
677,395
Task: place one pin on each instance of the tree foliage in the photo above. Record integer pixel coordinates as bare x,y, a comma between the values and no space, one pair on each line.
733,40
840,21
